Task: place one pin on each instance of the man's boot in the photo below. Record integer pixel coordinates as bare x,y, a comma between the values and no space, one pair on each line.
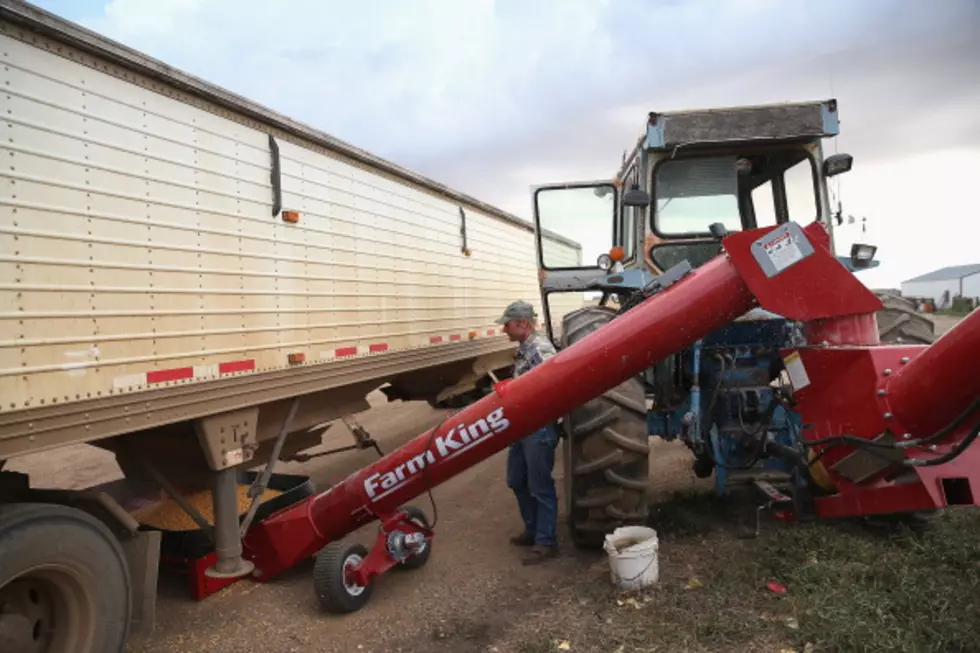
522,540
540,553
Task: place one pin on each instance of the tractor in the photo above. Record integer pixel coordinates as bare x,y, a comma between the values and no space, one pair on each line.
692,178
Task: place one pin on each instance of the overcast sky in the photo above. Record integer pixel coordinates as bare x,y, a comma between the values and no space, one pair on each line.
492,97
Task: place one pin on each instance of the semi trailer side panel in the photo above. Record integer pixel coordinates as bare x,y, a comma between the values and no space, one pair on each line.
151,238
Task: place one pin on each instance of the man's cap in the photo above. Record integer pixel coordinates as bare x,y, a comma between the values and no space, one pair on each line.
519,310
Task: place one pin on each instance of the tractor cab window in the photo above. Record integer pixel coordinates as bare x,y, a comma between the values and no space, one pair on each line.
576,224
795,182
692,194
740,191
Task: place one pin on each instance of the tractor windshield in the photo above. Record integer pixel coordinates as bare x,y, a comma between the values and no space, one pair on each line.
740,191
692,194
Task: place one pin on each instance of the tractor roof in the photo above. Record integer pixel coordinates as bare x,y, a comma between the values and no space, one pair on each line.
787,121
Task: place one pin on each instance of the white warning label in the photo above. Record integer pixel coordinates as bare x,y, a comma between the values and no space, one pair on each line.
796,370
782,251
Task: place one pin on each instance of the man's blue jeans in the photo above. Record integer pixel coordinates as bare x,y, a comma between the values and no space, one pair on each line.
530,462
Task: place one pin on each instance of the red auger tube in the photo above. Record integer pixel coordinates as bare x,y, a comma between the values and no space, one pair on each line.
707,299
940,382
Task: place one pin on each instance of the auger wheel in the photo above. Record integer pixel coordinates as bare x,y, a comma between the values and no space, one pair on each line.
605,451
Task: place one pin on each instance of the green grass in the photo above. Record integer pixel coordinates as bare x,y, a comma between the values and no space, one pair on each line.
850,589
853,590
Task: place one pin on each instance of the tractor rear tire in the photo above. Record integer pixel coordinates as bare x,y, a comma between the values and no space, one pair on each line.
900,324
606,449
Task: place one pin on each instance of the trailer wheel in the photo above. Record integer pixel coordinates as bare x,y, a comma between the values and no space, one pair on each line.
418,560
64,582
606,449
900,323
335,592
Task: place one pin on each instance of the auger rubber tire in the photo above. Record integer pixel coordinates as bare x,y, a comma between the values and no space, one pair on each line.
329,583
605,450
900,323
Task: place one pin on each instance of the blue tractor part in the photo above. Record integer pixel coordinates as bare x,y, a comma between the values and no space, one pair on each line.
724,399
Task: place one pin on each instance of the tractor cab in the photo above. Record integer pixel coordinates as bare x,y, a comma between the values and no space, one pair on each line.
692,178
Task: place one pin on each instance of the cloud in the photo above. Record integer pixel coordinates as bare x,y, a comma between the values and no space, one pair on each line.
492,97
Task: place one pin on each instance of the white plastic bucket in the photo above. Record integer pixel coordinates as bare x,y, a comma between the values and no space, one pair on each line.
633,560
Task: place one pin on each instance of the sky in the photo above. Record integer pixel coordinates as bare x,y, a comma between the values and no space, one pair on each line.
493,97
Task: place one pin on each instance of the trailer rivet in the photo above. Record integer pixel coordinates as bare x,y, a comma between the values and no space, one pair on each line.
888,371
906,436
888,416
905,359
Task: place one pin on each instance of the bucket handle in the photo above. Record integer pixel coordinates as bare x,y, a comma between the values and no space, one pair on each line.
643,571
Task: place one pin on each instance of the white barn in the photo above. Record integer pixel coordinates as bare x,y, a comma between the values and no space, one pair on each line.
957,280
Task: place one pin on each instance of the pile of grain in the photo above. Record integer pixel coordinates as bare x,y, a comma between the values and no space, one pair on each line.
169,516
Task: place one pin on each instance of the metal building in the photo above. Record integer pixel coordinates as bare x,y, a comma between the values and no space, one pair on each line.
942,285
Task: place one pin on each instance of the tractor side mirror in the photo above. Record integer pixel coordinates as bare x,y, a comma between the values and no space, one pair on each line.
837,164
635,197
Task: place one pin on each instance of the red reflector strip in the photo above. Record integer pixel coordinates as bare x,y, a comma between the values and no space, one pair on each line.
377,349
346,351
236,366
435,339
166,376
455,337
491,332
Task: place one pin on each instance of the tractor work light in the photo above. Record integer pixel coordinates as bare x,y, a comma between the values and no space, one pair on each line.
837,164
862,255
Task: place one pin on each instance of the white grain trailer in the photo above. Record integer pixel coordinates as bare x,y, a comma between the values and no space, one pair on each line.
192,282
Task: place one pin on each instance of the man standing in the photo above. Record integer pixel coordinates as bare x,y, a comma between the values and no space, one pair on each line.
530,461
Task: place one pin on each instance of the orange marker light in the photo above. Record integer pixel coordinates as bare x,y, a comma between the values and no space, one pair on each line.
290,216
617,254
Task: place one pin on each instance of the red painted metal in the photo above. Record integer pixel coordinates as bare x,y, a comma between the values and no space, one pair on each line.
199,584
814,288
927,392
844,398
707,299
847,330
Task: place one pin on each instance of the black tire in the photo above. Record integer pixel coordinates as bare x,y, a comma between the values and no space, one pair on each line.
63,566
606,449
334,593
900,323
418,560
